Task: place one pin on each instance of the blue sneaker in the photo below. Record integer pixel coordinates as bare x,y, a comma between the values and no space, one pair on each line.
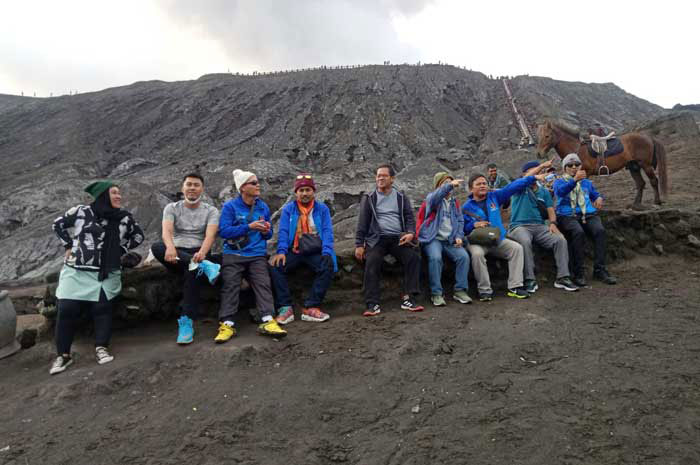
185,333
210,269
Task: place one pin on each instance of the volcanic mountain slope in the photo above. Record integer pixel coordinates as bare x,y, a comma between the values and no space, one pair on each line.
336,123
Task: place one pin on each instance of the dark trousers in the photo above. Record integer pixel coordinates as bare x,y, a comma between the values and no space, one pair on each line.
575,231
189,306
322,279
409,257
232,271
69,311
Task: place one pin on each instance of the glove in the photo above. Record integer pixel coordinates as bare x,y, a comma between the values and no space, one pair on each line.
327,261
130,260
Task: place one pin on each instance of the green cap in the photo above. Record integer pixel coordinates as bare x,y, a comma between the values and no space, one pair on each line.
98,187
439,177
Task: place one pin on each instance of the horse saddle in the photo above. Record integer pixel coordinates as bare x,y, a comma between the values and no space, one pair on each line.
606,146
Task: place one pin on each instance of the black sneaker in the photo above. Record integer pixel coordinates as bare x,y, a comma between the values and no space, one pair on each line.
410,305
566,284
518,293
485,296
530,286
372,310
604,276
60,364
579,281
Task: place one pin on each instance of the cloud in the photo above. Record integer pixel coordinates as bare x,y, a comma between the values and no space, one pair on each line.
267,35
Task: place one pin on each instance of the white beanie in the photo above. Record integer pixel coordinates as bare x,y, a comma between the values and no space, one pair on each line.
570,158
240,177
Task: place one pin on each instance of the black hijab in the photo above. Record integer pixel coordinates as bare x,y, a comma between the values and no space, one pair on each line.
110,257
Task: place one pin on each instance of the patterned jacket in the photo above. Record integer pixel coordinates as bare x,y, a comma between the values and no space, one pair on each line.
79,230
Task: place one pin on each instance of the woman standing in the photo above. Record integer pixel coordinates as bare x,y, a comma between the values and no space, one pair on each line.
95,236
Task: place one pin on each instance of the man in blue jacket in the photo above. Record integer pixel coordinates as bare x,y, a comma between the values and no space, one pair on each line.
484,210
442,231
245,227
577,205
305,238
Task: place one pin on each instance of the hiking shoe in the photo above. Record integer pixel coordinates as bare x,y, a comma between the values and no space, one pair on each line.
372,310
530,286
102,355
604,276
485,296
60,364
518,293
565,283
271,328
410,305
314,314
226,332
438,300
285,315
185,332
210,269
579,281
462,297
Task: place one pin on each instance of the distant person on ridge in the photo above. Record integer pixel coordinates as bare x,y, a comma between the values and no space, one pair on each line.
305,238
441,231
387,226
578,203
96,238
245,227
188,231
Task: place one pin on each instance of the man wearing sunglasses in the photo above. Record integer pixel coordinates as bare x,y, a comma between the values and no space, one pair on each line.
578,203
305,238
245,227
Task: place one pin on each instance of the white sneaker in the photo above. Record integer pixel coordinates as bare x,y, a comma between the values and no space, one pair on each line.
60,364
102,355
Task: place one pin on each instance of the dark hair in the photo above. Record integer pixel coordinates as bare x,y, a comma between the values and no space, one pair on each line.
473,178
387,166
193,175
491,166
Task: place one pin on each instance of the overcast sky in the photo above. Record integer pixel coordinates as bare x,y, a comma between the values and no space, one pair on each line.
650,49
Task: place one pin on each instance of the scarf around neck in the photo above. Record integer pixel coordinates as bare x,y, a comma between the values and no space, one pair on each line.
577,197
111,253
302,224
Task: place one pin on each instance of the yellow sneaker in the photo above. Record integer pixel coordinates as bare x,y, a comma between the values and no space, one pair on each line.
271,328
226,332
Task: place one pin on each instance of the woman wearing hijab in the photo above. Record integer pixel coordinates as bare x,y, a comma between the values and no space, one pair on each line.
96,237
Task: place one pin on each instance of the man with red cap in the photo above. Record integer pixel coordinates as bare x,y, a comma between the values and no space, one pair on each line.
305,238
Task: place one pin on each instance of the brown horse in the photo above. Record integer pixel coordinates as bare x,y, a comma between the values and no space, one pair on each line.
641,152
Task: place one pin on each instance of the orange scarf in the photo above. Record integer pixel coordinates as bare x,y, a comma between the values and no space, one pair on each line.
302,223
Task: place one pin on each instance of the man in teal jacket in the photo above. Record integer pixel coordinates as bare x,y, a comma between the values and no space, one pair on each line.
305,238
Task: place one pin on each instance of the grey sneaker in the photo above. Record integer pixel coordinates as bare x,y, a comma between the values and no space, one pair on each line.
60,364
566,284
438,301
462,297
530,286
102,355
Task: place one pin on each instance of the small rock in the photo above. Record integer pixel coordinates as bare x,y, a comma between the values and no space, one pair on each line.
659,249
415,409
694,241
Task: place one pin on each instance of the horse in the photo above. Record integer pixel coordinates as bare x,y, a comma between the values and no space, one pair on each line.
641,152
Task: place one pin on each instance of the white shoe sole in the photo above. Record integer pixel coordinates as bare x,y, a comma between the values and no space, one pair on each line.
566,288
463,301
104,360
287,321
316,320
55,371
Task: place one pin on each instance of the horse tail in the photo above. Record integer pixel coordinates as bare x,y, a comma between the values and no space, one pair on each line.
659,160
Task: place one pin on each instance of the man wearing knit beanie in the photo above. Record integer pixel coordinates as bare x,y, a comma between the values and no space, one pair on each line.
245,227
305,238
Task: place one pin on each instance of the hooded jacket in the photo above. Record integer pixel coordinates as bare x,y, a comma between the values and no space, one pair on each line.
368,230
434,203
288,226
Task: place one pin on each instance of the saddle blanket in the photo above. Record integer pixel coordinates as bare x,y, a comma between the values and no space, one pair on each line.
614,147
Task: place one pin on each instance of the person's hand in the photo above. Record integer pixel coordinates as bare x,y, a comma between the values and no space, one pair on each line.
598,203
405,239
546,164
198,257
540,177
327,261
68,253
481,224
258,225
360,253
170,255
458,242
279,259
580,174
456,182
554,229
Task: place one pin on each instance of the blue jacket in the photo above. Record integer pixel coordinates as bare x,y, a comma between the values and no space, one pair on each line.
233,225
562,189
494,200
288,227
434,203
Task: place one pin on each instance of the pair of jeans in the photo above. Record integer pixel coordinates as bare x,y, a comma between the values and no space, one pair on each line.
322,279
434,251
575,231
189,305
256,270
69,311
406,254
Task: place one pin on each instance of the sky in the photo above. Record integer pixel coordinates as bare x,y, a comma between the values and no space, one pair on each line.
49,48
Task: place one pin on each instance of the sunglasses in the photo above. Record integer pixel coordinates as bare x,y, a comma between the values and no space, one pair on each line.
573,165
304,176
252,183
